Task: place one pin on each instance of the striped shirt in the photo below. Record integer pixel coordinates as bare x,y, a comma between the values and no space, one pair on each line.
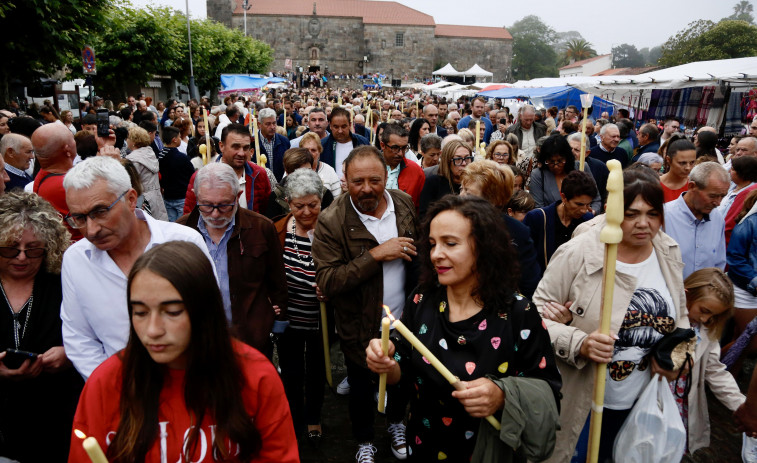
303,308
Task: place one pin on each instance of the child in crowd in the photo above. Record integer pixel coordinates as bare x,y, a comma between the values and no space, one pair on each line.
520,204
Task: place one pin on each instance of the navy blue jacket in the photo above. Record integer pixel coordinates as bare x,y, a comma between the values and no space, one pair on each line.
329,147
530,272
619,153
276,160
650,148
17,181
543,233
741,255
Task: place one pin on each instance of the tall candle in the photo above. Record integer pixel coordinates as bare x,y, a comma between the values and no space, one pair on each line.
257,141
208,151
326,345
478,132
352,120
385,348
285,118
423,350
92,448
340,100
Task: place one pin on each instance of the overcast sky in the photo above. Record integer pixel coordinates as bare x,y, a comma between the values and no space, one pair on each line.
644,23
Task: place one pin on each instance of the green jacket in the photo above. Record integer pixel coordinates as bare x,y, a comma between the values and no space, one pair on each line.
529,422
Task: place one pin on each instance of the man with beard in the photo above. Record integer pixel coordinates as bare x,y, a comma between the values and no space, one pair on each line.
363,248
253,287
401,175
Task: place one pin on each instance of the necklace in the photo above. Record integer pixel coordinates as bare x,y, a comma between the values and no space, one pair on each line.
306,260
18,337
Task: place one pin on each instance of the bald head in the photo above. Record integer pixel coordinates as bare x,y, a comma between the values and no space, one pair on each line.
54,145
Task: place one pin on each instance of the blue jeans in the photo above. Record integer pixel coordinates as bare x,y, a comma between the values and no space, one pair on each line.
175,208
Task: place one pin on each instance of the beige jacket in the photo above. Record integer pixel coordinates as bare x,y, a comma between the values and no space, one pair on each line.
710,370
575,274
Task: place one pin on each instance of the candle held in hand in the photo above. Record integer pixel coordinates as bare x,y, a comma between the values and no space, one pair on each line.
92,448
385,348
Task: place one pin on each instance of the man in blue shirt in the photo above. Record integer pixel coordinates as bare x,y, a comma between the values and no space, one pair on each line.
694,221
477,105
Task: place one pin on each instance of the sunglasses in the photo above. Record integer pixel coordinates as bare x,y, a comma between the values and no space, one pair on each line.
31,253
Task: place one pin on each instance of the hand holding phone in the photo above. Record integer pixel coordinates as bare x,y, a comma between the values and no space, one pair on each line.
15,358
103,123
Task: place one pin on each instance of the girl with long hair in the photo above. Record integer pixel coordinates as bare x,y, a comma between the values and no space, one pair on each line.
183,389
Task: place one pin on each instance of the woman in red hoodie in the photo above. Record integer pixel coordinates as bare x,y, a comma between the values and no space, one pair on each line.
183,390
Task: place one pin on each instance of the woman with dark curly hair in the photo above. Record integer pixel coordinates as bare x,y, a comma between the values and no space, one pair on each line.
32,242
555,161
467,313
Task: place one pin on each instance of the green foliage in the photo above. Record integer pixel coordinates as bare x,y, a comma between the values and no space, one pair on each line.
137,44
40,36
709,41
626,56
533,55
742,11
651,55
576,50
217,49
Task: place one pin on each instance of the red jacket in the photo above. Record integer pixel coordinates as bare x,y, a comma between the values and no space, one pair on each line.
733,211
257,189
98,412
411,180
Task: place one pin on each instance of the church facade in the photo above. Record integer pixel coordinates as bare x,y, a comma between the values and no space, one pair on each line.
365,37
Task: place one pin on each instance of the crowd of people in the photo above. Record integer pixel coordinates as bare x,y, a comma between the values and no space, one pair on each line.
168,277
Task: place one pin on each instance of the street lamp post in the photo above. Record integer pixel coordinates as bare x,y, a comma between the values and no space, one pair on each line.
245,6
192,86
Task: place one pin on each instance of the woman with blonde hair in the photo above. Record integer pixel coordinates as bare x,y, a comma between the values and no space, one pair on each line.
456,156
143,158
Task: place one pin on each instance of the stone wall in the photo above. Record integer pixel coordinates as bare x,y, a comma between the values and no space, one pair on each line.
491,54
221,10
414,58
336,43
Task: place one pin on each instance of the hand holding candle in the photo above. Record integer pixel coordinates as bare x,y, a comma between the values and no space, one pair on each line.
92,448
385,348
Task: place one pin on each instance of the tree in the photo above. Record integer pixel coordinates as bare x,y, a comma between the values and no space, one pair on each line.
681,48
577,50
742,11
533,55
709,41
650,55
217,49
626,56
41,36
136,45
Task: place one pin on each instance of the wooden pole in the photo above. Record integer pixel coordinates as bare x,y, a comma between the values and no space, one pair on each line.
326,346
583,139
611,235
384,347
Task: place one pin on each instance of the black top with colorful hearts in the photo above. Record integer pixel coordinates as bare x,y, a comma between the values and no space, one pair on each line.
506,341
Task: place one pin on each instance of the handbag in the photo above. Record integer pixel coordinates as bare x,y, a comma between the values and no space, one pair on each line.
675,351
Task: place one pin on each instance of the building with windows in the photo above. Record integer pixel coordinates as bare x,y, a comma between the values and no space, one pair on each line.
364,37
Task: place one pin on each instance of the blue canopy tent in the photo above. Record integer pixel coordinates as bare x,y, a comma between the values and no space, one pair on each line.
550,96
246,82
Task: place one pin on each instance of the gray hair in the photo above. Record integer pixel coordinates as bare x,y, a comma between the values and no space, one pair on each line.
86,173
301,183
576,136
607,127
429,141
266,114
701,173
527,109
12,141
217,174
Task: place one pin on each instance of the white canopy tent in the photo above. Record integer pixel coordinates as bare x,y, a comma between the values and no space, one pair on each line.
477,71
439,84
447,70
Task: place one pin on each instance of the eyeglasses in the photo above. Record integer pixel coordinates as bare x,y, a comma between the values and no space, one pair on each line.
30,253
501,155
462,161
96,214
397,148
222,208
555,163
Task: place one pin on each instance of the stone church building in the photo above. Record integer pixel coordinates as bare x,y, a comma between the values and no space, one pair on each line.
364,37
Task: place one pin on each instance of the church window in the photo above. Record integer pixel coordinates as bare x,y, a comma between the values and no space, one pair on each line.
399,39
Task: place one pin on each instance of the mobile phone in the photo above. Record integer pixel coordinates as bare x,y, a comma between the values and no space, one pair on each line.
103,123
14,358
503,121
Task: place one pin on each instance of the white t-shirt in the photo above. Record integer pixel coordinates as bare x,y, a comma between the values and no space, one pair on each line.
342,151
650,310
528,140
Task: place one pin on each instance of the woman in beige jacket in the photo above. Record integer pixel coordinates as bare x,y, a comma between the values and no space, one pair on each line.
649,302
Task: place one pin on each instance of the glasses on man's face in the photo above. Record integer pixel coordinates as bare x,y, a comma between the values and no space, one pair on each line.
397,148
96,214
222,208
555,163
462,161
31,253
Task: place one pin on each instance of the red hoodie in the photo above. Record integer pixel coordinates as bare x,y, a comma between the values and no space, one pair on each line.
98,413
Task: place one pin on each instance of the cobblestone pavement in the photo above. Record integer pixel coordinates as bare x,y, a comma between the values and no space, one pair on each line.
338,445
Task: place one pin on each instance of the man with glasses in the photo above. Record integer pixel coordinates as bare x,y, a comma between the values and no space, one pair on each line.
102,204
669,127
401,174
246,252
55,149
